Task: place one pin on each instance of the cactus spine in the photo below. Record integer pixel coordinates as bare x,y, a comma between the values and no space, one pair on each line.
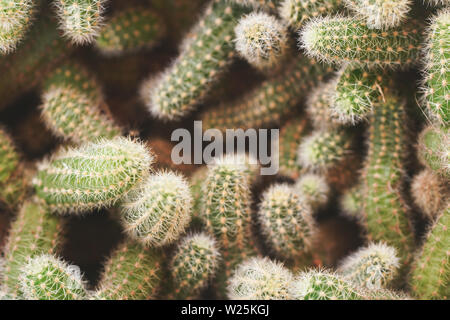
372,267
204,57
380,14
80,20
313,189
33,232
341,40
48,278
262,40
130,273
94,175
436,86
130,30
157,213
384,210
260,279
195,262
433,149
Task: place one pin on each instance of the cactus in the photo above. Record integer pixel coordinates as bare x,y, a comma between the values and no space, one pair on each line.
15,18
158,213
319,107
431,269
32,233
433,149
380,14
45,277
196,183
80,20
313,189
338,40
323,285
70,106
203,59
266,5
130,30
94,175
130,273
270,102
322,149
260,279
262,40
286,221
372,267
437,2
195,263
385,213
351,202
429,193
436,82
297,12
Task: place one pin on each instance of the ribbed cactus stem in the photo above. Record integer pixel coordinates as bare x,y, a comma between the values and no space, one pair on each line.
436,84
380,14
130,30
433,149
297,12
372,267
132,272
46,277
158,213
204,57
196,185
269,103
338,40
431,269
385,212
194,264
319,107
260,279
80,20
262,40
33,232
313,189
93,175
15,18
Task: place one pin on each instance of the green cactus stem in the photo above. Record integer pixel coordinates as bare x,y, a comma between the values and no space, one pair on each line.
434,151
319,107
313,189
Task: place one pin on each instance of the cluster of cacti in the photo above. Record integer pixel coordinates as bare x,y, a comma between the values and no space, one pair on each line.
92,91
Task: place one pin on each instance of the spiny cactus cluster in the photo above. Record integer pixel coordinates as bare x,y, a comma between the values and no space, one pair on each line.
91,92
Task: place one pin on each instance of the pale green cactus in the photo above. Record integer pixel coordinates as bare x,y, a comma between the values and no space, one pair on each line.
434,151
194,264
93,175
159,212
260,279
46,277
319,107
351,202
266,5
313,189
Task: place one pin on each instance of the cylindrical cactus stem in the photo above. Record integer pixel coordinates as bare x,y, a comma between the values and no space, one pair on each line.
130,30
436,82
351,203
323,285
338,40
434,151
372,267
431,268
271,101
15,18
80,20
159,211
319,108
298,12
196,182
132,272
33,232
437,2
355,92
324,149
194,264
291,134
262,40
386,294
385,213
286,221
430,193
46,277
265,5
313,189
260,279
380,14
93,175
204,57
71,106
